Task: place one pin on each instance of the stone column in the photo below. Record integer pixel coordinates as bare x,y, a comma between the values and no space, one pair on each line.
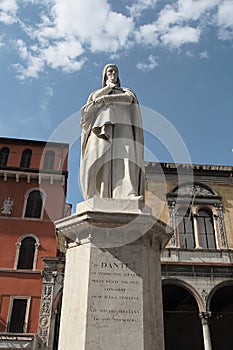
204,316
196,231
172,219
112,295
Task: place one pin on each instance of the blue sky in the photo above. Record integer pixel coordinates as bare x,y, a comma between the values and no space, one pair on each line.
176,55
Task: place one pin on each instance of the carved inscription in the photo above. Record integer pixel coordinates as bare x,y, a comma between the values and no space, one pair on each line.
114,296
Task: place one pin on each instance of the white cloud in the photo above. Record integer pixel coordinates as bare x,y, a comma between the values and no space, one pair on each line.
139,6
150,65
168,16
181,12
225,20
48,94
8,11
193,9
225,34
204,54
175,23
147,35
93,23
49,91
178,36
65,32
34,63
225,14
63,54
188,53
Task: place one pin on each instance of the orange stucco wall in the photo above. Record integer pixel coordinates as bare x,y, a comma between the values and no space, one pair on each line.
26,283
18,190
20,284
11,230
38,153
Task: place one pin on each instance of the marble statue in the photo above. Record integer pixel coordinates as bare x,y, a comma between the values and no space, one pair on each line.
112,142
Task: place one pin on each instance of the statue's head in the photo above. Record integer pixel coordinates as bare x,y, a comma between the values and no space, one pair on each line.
107,68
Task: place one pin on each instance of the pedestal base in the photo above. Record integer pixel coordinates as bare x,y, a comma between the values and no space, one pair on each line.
112,296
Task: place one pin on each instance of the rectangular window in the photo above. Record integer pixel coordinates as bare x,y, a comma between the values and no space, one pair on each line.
186,232
18,315
206,229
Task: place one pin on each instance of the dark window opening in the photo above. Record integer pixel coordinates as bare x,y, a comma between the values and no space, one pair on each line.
4,154
26,253
17,320
34,204
182,325
186,229
57,320
49,160
206,229
221,307
26,158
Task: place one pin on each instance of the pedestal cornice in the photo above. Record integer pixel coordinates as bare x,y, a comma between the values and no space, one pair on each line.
110,227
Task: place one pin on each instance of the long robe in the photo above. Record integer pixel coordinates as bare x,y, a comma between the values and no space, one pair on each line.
112,160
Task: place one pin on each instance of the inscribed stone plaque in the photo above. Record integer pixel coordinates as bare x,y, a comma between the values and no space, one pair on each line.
115,300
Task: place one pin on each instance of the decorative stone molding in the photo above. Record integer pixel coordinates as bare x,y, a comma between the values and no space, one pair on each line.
221,226
172,222
28,177
112,228
53,275
193,189
196,196
45,310
204,295
7,206
18,341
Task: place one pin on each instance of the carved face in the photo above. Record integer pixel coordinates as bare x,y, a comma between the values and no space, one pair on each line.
112,74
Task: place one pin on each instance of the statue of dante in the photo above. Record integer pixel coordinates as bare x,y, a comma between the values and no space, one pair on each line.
112,142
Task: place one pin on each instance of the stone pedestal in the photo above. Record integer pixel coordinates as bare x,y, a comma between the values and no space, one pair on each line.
112,288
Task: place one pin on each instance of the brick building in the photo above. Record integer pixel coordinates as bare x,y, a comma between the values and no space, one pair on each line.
33,183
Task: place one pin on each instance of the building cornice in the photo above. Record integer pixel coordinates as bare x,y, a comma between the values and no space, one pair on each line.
183,169
14,141
28,176
24,272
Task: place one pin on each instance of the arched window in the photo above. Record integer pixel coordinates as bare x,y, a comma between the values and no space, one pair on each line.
34,204
26,158
49,160
4,154
186,229
206,229
26,253
221,308
182,326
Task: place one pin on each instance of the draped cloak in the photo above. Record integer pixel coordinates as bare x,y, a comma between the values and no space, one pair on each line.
112,159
